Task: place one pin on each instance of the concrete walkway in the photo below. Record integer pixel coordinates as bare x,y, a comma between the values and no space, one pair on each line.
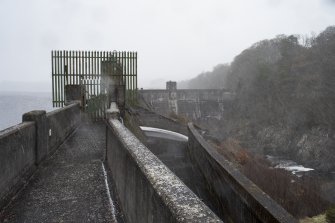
70,186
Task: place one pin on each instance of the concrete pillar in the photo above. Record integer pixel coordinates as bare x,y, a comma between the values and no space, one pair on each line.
40,119
171,87
113,112
75,93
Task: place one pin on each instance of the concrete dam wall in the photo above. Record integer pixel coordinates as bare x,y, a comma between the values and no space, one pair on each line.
194,104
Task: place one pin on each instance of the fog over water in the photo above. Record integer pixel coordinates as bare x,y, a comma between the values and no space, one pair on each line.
14,104
176,40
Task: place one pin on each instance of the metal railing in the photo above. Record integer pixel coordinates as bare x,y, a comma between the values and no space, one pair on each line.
86,68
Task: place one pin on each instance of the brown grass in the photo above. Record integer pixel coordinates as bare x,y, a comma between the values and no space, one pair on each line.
299,196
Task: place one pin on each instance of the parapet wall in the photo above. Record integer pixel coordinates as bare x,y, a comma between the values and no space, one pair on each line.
17,158
61,123
24,146
148,191
236,194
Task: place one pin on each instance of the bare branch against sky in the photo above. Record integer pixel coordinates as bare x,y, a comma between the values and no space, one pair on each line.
175,39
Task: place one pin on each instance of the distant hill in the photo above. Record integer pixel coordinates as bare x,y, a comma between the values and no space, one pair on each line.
287,77
207,80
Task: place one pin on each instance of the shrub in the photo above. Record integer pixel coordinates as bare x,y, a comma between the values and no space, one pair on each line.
299,196
330,214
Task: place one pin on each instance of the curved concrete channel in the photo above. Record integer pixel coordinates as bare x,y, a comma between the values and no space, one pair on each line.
171,148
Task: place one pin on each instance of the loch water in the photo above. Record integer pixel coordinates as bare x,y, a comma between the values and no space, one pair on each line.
14,104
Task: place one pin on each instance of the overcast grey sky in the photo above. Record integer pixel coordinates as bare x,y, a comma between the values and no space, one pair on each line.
175,39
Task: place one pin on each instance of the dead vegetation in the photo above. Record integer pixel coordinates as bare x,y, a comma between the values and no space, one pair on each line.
300,196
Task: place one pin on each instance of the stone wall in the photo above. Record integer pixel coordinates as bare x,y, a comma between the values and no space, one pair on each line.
148,191
236,194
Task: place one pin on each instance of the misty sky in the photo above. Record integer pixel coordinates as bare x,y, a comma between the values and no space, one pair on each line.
175,39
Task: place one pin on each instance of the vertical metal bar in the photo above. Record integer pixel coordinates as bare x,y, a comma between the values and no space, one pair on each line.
93,77
136,70
123,67
77,69
66,69
127,72
56,70
99,71
89,72
96,62
58,79
70,59
105,58
71,67
128,76
52,77
132,75
63,77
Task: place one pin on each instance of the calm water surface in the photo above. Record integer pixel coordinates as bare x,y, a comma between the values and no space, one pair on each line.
14,104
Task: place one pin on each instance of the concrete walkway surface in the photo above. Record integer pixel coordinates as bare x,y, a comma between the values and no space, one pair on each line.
70,186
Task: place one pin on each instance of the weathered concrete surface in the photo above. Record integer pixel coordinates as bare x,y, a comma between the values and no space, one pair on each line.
17,158
69,186
61,123
235,193
174,154
148,190
39,117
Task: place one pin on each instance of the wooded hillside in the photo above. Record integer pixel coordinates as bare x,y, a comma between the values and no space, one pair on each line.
286,79
284,97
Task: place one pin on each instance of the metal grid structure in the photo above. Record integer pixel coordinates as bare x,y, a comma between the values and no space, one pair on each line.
86,68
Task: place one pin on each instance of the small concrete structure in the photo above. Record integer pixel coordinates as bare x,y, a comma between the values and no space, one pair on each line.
113,111
112,83
171,85
75,93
